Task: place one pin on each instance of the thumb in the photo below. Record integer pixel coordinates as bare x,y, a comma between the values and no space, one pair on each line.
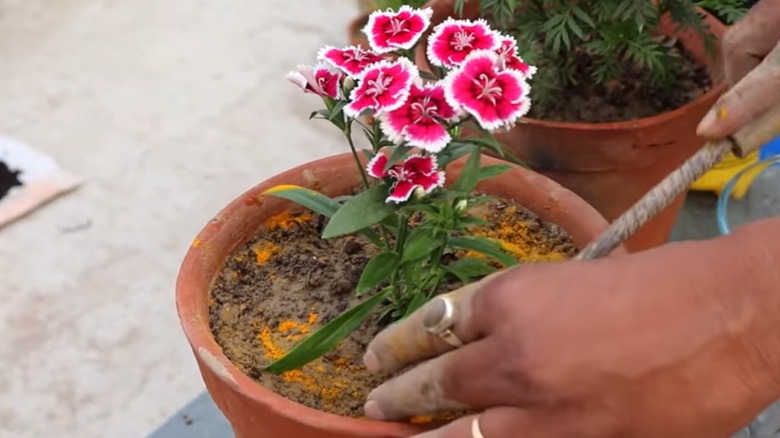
748,99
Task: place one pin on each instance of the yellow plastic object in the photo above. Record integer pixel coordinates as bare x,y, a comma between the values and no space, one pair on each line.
715,179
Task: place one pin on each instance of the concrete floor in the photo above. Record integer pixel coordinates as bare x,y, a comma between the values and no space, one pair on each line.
169,109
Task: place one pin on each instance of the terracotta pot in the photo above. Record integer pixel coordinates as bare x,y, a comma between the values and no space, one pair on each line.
612,165
355,35
256,412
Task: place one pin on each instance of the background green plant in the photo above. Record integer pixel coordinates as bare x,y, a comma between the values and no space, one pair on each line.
614,35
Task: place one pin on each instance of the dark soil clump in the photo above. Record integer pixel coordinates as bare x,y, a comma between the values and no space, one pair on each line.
8,179
286,282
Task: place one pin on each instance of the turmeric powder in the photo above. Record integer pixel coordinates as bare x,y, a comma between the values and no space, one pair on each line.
265,251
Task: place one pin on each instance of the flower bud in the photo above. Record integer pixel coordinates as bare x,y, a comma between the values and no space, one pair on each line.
460,207
347,86
419,193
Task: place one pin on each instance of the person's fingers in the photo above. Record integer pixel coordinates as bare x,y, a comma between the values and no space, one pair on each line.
451,382
748,42
408,341
752,96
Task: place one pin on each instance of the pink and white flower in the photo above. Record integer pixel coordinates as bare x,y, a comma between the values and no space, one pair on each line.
351,60
416,173
388,31
496,98
509,58
420,120
382,87
320,80
453,40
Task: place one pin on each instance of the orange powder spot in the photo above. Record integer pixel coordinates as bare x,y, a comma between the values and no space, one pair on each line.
338,383
517,238
286,220
196,243
421,419
723,113
265,251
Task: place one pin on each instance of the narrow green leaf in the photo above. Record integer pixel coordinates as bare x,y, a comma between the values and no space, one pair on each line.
418,300
420,243
362,211
484,246
469,175
369,154
493,171
469,268
453,151
328,336
337,109
308,198
582,15
378,269
399,153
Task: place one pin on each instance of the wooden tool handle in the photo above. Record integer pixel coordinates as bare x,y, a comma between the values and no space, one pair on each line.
750,138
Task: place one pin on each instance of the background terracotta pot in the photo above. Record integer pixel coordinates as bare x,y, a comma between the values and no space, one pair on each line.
612,165
256,412
354,32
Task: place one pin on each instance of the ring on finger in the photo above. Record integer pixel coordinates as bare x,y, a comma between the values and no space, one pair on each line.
476,432
441,323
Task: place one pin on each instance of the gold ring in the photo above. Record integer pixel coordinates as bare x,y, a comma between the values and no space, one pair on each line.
475,430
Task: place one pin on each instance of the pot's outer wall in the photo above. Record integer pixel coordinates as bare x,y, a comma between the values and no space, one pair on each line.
256,412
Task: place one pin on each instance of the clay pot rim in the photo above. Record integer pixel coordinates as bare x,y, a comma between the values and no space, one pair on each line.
204,345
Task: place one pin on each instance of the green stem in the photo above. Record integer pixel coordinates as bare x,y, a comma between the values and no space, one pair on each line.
403,226
348,134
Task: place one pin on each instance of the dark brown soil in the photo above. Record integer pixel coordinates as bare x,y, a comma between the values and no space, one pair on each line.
286,281
8,179
632,96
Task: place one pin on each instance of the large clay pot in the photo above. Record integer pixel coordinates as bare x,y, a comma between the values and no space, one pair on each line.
612,165
256,412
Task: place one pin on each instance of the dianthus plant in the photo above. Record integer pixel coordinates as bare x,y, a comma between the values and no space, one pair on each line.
475,83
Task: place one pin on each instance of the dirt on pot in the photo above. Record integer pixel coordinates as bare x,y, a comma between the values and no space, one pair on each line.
286,282
629,97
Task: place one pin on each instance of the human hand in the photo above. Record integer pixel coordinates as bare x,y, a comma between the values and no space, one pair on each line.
667,343
751,51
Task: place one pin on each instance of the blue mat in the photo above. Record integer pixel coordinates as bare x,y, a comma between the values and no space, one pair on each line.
771,149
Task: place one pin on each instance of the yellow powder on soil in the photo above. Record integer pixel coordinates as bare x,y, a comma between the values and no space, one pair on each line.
517,238
309,377
264,252
285,220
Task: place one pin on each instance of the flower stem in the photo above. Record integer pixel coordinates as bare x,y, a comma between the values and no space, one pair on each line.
403,226
348,134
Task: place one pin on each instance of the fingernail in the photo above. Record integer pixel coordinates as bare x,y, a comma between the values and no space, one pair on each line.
372,410
371,362
707,124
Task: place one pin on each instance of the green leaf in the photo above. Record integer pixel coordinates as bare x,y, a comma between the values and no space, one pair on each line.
308,198
337,109
469,175
328,336
493,171
583,16
484,246
378,269
364,210
453,151
469,268
399,153
418,301
369,154
420,243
